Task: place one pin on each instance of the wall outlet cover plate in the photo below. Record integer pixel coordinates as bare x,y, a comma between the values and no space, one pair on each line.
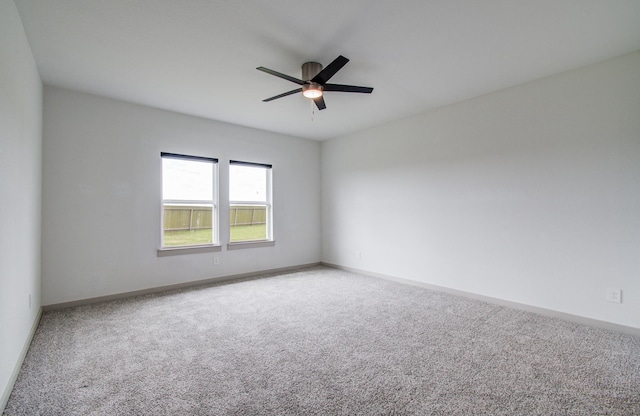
614,295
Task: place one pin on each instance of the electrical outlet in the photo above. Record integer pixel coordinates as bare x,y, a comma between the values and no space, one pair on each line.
216,261
614,295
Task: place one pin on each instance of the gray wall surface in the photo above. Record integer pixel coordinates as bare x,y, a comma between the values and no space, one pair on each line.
530,194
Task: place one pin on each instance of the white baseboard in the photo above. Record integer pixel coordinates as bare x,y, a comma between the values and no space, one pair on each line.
221,279
16,369
521,306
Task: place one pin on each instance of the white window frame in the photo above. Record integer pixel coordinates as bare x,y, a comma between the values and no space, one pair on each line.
215,222
268,203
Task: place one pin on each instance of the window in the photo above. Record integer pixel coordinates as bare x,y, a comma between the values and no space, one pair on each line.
250,206
189,196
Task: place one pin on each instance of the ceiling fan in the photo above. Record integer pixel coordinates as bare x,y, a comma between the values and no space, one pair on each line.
314,81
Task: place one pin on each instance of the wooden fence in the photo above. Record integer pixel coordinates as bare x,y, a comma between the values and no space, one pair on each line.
247,215
179,217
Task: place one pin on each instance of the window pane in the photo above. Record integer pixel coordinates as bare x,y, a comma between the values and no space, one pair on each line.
187,224
188,201
247,183
187,179
250,213
248,222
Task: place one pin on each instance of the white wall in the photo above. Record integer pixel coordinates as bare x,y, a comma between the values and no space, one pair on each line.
530,194
20,193
102,193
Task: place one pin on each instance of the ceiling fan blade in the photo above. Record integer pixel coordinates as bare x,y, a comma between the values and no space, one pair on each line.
284,94
320,103
330,70
280,75
347,88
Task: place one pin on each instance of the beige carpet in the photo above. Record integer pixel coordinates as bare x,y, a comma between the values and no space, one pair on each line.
321,342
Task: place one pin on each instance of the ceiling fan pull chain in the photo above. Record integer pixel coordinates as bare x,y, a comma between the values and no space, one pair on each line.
313,110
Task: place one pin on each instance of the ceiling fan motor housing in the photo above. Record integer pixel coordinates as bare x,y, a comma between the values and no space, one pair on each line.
311,89
310,70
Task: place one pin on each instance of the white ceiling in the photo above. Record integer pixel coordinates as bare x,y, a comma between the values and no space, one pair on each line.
199,56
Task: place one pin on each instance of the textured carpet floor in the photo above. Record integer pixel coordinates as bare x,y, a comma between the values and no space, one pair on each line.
321,342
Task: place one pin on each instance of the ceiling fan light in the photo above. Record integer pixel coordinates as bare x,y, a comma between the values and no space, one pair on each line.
312,90
312,93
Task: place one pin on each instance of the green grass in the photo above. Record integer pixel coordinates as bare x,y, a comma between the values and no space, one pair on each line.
187,238
190,238
249,232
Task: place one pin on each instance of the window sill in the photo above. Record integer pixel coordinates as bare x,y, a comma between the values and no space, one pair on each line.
177,251
250,244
